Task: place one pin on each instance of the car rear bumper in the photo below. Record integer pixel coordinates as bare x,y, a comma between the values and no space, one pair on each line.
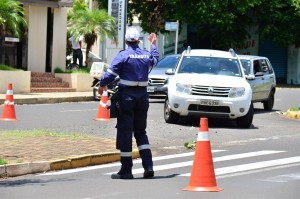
157,91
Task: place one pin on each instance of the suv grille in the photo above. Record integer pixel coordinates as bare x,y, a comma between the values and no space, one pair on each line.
210,91
209,109
155,81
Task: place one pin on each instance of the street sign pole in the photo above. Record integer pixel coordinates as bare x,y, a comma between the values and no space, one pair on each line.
176,40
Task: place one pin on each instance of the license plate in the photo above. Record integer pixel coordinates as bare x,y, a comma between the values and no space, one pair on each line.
150,89
209,102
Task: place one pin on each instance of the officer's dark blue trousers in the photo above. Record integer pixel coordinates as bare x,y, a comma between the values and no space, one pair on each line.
134,103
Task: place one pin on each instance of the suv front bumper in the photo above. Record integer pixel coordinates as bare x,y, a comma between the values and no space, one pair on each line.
227,107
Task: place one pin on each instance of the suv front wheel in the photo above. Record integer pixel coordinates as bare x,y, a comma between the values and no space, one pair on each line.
170,116
246,120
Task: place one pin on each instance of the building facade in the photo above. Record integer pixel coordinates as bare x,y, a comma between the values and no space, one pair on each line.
43,45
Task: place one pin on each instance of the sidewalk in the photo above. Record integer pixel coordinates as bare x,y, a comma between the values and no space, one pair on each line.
49,98
43,154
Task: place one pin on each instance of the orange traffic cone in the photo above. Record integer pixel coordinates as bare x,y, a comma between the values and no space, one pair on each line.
8,113
203,173
103,112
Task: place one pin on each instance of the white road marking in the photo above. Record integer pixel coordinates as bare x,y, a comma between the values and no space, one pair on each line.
218,159
78,110
253,166
283,178
118,163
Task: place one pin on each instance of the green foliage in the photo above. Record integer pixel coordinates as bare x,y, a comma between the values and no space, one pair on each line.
79,71
279,20
90,24
102,4
12,17
20,134
59,70
225,23
5,67
294,109
2,161
190,145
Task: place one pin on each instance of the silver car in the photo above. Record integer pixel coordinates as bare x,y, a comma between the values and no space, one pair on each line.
261,77
157,76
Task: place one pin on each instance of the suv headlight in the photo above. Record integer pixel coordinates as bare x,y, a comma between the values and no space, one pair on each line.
183,88
236,92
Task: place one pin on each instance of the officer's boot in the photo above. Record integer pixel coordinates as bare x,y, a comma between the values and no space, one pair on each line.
125,171
147,162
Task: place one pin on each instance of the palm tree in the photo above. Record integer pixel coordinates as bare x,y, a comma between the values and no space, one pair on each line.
12,17
90,24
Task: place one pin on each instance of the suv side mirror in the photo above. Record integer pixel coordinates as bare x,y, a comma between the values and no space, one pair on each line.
170,71
250,77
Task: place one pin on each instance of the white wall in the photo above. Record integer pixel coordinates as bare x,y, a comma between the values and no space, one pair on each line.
20,81
59,38
37,33
293,68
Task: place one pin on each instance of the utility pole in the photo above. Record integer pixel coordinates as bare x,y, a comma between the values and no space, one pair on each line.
176,40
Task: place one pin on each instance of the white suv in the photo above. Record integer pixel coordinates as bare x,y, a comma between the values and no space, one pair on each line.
209,83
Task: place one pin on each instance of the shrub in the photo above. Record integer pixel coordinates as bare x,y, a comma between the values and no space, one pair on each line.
294,109
80,71
59,70
2,161
5,67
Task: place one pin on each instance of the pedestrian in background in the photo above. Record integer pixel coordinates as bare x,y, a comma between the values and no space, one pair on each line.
77,52
132,66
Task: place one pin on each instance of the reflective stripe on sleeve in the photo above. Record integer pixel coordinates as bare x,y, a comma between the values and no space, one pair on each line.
112,72
203,136
144,146
126,154
133,83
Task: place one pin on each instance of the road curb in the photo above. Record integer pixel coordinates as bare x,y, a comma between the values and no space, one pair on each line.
52,100
13,170
293,114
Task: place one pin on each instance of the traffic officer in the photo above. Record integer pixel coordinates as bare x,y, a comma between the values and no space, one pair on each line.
132,66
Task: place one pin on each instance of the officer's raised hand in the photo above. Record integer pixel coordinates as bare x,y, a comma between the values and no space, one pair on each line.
152,38
101,89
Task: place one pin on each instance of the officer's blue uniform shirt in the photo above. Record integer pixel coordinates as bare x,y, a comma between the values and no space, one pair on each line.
132,66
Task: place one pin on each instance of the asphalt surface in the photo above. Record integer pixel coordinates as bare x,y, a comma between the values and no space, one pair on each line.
11,170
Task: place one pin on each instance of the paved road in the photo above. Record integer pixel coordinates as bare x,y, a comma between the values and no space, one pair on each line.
270,146
269,170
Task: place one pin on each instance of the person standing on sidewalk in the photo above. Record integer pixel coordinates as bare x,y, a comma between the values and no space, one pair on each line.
77,52
132,66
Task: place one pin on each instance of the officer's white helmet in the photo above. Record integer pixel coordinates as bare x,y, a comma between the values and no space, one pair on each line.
132,35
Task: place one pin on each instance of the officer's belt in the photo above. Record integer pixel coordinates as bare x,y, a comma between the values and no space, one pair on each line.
133,83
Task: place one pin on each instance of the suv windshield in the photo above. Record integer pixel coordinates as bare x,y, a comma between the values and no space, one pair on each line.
167,62
210,65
